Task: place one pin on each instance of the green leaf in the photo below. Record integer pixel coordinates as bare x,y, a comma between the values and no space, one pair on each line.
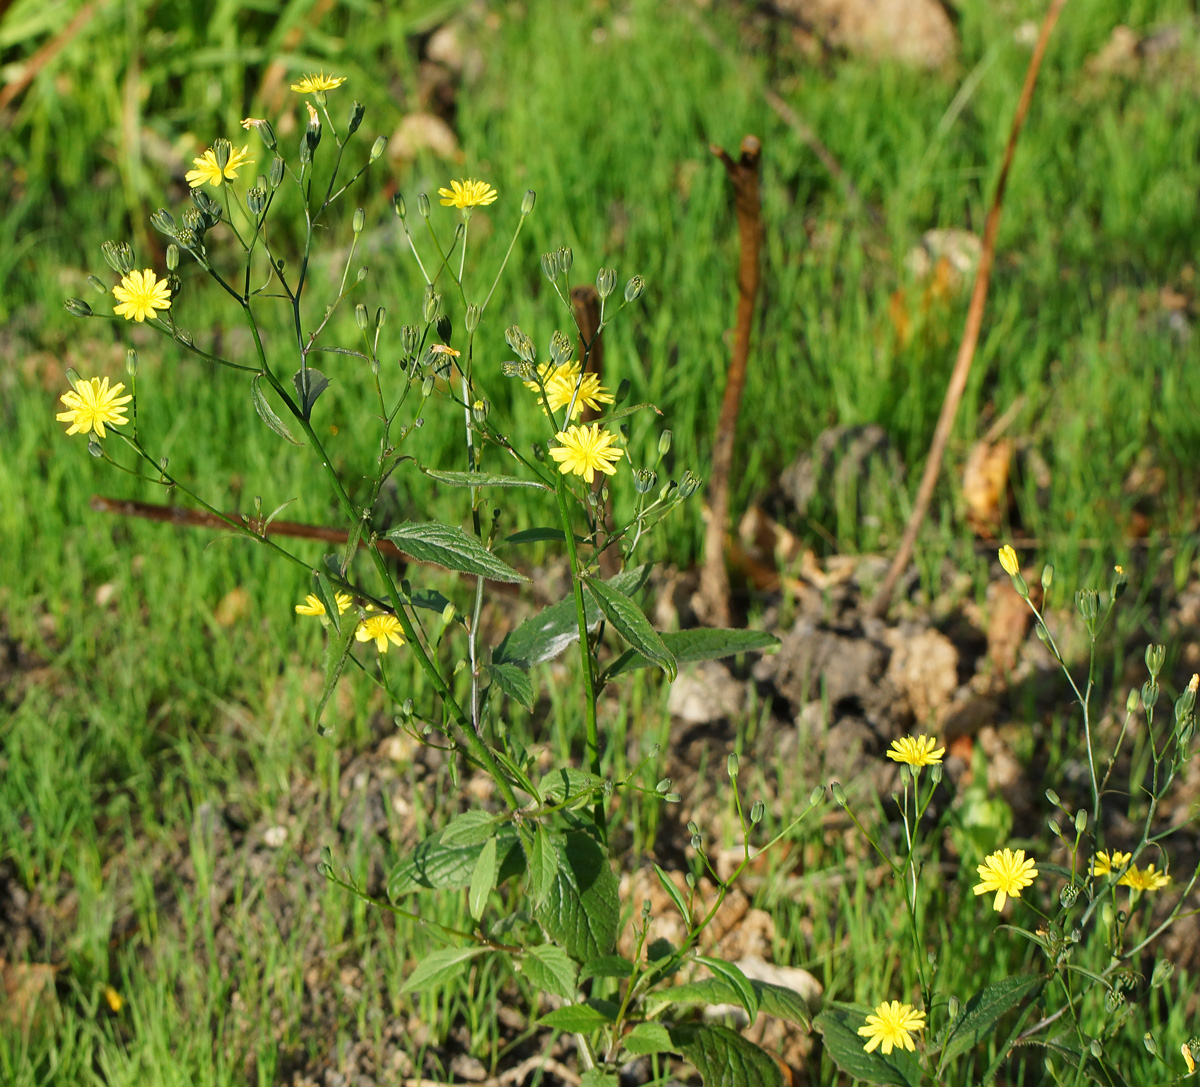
513,682
266,413
432,600
448,546
324,591
783,1003
631,623
471,828
977,1020
724,1058
549,633
839,1025
698,645
439,967
582,1018
676,896
551,970
309,384
484,479
598,1077
607,966
436,865
728,972
337,652
483,879
582,909
543,865
647,1038
773,1000
539,535
565,782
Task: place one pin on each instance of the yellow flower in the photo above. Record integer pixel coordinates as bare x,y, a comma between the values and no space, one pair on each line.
1144,879
319,82
560,382
114,999
467,194
584,449
93,404
1008,559
921,751
893,1024
444,349
141,295
1104,864
380,629
313,606
208,170
1188,1059
1006,873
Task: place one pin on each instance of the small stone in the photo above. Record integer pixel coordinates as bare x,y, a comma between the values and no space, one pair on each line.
275,836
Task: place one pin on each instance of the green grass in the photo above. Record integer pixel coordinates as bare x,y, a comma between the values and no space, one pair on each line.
144,709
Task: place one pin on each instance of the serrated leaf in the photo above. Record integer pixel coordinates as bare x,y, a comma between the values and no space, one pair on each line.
978,1018
544,636
607,966
774,1000
484,479
310,384
437,865
483,879
724,1058
267,414
631,623
676,896
733,976
598,1077
702,644
583,1018
783,1003
564,782
513,682
551,970
471,828
448,546
647,1038
337,652
439,967
582,909
839,1025
543,865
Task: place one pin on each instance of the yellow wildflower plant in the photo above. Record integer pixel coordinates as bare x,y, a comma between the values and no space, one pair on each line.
208,169
92,404
1105,863
586,450
380,629
468,194
313,606
916,751
1007,872
1144,879
1008,560
892,1026
140,295
312,84
560,383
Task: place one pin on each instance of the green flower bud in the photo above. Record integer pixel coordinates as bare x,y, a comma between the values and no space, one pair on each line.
1055,829
1047,576
664,443
380,317
634,288
357,112
1087,601
172,257
1113,999
644,480
952,1007
398,206
662,786
550,266
561,348
433,305
936,772
565,259
480,410
668,487
267,133
423,205
95,448
757,811
1131,701
606,281
673,798
164,222
520,343
98,284
277,168
527,201
1149,694
731,764
362,274
427,386
1052,796
471,318
256,201
77,307
222,149
305,150
73,378
689,485
359,220
1163,969
1096,1048
208,207
1150,1044
697,842
360,317
377,147
1069,895
131,362
839,794
448,613
188,240
119,256
410,340
1080,821
1156,656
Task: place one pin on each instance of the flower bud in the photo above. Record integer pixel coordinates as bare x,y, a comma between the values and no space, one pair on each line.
427,386
561,348
634,288
359,221
606,281
95,448
73,378
662,786
131,362
673,798
357,112
527,201
193,221
1150,1044
1131,701
423,205
277,168
433,304
480,410
1008,560
1047,576
222,149
839,794
664,444
267,134
644,480
689,485
520,343
471,318
731,764
77,307
1163,969
1053,797
377,147
410,339
362,274
1119,580
305,150
757,811
188,240
1186,702
448,613
1069,895
119,256
398,206
163,221
1156,655
256,201
360,317
1087,601
380,317
98,284
952,1007
550,266
565,259
1149,694
1080,821
172,257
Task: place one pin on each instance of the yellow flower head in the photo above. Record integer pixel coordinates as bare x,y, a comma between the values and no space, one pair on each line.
380,629
892,1025
916,751
1105,864
1008,559
141,295
1005,872
1188,1059
313,606
560,382
1144,879
584,450
444,349
209,171
311,84
93,404
467,194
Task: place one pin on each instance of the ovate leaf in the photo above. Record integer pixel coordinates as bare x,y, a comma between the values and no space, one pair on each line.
439,967
267,414
724,1058
737,981
309,384
471,828
631,623
543,865
513,682
839,1025
977,1020
582,1018
648,1038
437,865
551,970
565,782
448,546
582,909
607,966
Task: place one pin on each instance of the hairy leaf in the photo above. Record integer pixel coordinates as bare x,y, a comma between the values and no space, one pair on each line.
648,1038
551,969
484,479
582,909
976,1023
513,682
582,1018
839,1025
724,1058
436,865
439,967
702,644
448,546
631,623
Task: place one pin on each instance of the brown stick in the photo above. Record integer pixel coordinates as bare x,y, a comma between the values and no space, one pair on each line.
714,578
966,349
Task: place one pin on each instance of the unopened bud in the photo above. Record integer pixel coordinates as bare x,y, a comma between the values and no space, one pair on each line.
410,339
634,288
1163,969
1080,821
1087,601
1149,694
131,362
565,259
277,168
471,318
448,613
360,317
256,201
757,811
1131,701
362,274
172,257
163,221
606,281
839,794
527,201
689,485
561,348
427,386
550,266
357,112
1069,895
95,448
664,443
731,764
644,480
377,147
77,307
1156,655
423,205
1119,580
119,256
520,343
480,410
1047,576
222,149
359,220
73,378
433,303
1052,796
98,284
